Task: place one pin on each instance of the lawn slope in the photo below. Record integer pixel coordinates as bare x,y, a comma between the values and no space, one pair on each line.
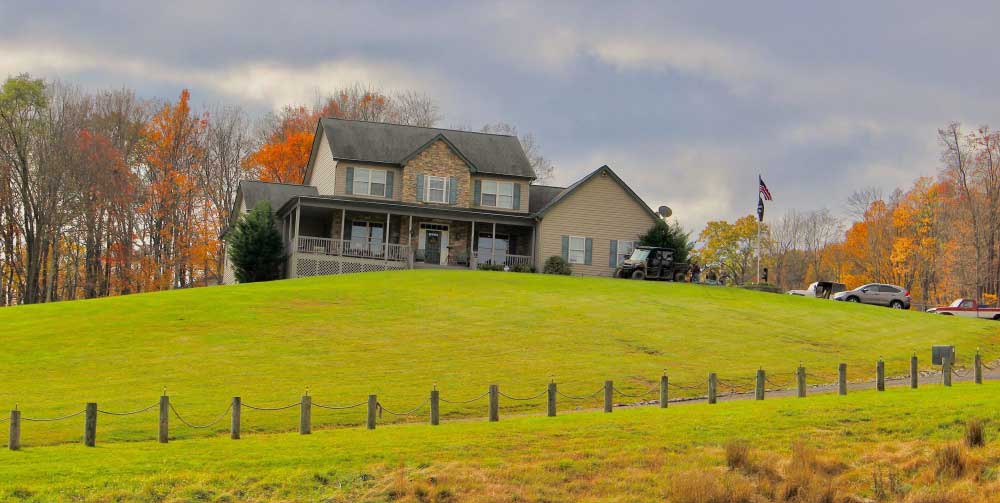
638,454
398,334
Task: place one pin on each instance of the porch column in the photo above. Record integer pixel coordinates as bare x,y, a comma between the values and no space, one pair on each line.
298,216
385,251
343,224
493,248
472,247
409,243
532,245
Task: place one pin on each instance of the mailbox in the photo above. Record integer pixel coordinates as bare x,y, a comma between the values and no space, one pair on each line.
939,354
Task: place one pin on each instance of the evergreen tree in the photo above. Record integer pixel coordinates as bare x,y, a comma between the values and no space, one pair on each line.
670,236
255,247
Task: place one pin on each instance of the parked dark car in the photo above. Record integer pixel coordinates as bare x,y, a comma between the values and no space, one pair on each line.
651,262
877,294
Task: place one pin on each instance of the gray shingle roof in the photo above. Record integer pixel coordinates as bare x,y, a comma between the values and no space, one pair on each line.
541,195
277,193
394,143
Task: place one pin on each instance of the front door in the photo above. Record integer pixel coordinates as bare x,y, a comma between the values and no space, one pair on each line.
432,250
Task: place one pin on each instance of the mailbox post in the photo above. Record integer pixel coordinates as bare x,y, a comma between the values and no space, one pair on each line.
944,356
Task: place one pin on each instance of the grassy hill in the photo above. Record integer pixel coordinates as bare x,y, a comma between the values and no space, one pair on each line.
398,334
844,448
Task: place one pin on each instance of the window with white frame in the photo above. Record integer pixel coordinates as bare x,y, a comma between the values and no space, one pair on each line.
577,250
625,249
437,189
369,182
498,194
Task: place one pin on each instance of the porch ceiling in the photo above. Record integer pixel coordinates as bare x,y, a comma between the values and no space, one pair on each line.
400,208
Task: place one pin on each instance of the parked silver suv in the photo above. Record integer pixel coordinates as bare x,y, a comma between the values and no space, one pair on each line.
877,294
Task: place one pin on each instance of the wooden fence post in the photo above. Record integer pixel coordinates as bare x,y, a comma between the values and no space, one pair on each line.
842,379
800,377
372,410
609,395
552,399
914,375
164,419
14,442
946,371
305,416
979,367
90,425
758,392
494,403
435,407
712,383
880,375
234,427
664,396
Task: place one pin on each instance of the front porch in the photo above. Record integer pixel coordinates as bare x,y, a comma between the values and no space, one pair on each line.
342,237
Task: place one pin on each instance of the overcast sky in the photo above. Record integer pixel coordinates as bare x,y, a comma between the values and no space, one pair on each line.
687,101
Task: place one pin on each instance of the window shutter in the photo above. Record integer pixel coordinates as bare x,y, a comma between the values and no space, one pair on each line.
587,260
420,187
517,196
388,184
452,190
565,248
350,181
478,194
613,254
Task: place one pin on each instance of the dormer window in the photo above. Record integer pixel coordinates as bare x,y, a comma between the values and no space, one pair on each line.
437,189
369,182
498,194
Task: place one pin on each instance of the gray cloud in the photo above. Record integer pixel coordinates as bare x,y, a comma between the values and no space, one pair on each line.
688,104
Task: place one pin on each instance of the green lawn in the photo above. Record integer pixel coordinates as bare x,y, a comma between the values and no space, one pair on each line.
398,334
630,455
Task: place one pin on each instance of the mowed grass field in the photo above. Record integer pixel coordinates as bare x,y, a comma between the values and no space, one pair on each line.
398,334
800,450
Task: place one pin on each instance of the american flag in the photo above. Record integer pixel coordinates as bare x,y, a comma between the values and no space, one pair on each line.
763,189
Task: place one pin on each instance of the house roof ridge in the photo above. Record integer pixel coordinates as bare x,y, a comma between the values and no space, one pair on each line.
248,180
420,127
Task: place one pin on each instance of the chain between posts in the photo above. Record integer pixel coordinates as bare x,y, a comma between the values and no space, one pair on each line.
199,427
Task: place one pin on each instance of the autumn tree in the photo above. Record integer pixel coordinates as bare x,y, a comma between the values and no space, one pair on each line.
173,160
731,247
23,105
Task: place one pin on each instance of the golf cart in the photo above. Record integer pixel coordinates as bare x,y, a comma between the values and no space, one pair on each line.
652,262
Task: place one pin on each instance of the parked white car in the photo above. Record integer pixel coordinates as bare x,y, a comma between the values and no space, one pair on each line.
820,289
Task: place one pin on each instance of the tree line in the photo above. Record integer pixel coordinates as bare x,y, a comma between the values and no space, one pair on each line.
108,193
938,238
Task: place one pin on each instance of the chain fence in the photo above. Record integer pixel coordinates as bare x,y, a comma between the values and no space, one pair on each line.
731,385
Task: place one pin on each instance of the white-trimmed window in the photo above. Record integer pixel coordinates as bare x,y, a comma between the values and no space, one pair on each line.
437,189
577,250
625,249
369,182
498,194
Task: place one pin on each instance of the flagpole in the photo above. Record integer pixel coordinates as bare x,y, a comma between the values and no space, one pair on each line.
758,251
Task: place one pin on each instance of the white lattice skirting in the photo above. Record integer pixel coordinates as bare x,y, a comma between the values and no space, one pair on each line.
305,266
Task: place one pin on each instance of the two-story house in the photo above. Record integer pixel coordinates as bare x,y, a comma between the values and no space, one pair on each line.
382,196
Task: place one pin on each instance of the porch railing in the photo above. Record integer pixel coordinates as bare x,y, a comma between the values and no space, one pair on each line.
360,248
484,257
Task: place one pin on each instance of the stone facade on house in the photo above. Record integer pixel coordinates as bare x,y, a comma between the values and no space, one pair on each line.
438,159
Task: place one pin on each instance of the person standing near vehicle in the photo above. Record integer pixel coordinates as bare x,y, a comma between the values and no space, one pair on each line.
695,272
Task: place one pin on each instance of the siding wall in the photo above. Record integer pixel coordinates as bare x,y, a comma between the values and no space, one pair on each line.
525,187
601,210
325,170
397,178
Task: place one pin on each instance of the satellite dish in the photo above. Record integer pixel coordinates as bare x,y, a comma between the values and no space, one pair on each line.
665,211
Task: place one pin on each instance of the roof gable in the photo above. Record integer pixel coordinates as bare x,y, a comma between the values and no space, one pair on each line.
561,196
395,144
444,139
